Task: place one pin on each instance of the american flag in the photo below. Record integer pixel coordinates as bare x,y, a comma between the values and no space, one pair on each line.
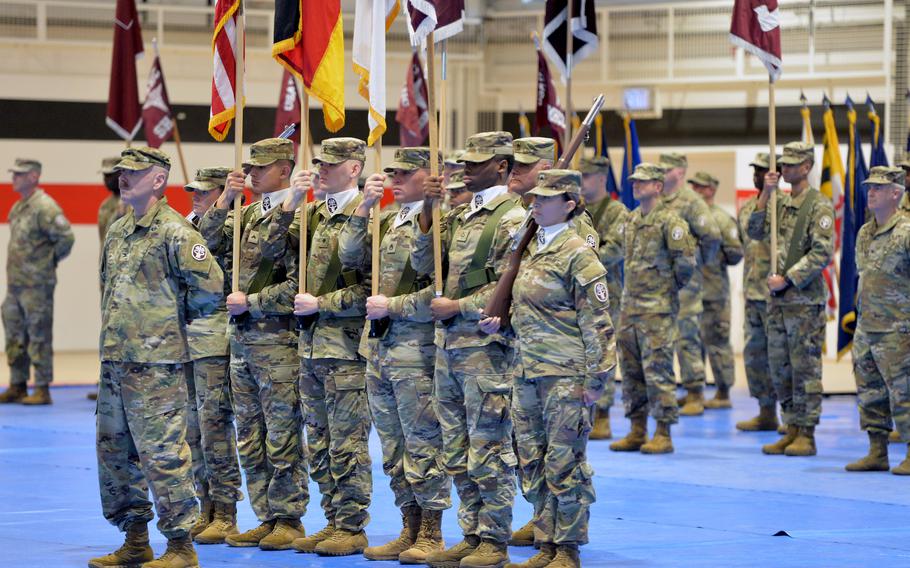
225,73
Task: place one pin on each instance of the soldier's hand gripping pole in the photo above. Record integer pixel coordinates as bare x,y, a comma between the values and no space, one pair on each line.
240,321
304,322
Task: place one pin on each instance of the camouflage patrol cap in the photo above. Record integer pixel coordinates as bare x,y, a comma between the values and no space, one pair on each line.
532,150
268,151
672,160
452,159
555,182
762,160
107,165
25,165
410,159
208,179
885,175
483,146
796,153
704,178
456,181
337,150
142,158
647,171
594,165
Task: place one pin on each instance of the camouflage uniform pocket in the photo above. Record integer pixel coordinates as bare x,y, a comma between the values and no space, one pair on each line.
283,373
498,383
350,381
495,393
180,492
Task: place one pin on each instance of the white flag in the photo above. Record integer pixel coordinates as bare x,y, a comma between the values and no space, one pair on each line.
372,19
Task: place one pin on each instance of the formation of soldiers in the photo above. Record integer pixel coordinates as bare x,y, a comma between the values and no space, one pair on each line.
456,396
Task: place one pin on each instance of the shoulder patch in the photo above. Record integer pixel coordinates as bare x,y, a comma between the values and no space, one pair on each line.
734,234
600,291
589,240
700,221
825,222
60,220
677,233
199,252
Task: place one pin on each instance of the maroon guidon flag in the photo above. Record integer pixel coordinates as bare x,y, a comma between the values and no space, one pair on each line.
413,115
756,29
124,114
156,112
443,17
288,110
548,112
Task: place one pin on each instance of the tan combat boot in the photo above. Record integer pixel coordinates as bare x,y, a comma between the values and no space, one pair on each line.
523,536
541,559
693,404
601,429
566,557
766,421
429,539
41,395
410,526
877,459
179,554
721,399
135,551
15,393
778,447
205,516
284,534
343,543
488,555
451,558
636,437
223,525
308,543
661,443
804,444
251,537
904,467
894,437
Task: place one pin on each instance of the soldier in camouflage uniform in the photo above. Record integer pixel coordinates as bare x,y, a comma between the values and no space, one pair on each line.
904,206
458,193
332,372
111,208
400,359
472,381
567,354
715,321
211,391
609,216
263,357
756,268
881,345
796,309
40,237
659,262
689,348
156,274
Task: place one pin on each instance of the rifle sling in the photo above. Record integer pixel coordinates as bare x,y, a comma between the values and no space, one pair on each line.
478,274
794,251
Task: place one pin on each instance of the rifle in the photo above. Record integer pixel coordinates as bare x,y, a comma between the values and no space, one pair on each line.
500,302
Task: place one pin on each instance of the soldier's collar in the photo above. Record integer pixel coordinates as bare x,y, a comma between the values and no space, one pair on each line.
484,199
146,220
546,235
889,224
797,201
272,200
407,212
335,203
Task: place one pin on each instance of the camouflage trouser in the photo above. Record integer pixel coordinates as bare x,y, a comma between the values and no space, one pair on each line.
267,407
715,334
28,318
401,402
473,394
141,428
551,427
216,421
796,334
337,418
755,353
194,435
609,396
690,351
881,366
645,344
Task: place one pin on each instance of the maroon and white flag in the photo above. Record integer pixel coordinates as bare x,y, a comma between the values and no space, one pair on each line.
124,114
288,110
156,112
756,29
443,17
413,115
548,112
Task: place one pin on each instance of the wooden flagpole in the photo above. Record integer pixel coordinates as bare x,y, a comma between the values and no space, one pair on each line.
772,162
443,116
374,222
239,71
434,163
304,151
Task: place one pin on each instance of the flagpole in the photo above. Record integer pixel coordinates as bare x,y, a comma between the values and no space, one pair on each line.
434,164
569,35
374,222
240,70
772,162
443,117
304,151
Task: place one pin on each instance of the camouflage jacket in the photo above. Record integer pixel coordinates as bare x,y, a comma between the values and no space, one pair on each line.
40,237
460,236
816,246
758,256
208,336
108,212
659,262
694,211
883,263
610,217
156,276
716,286
905,203
560,311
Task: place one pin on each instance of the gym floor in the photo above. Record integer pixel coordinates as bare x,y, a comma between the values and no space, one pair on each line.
717,501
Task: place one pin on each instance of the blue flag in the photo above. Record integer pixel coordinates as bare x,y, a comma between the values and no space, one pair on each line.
631,158
603,150
878,156
854,217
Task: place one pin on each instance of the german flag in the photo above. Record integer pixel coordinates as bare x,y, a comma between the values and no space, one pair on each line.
314,54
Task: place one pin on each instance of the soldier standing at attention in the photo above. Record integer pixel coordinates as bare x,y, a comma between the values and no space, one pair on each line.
689,348
262,350
904,206
756,268
473,370
659,262
881,345
40,237
156,274
400,359
457,191
609,216
567,353
796,310
715,321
